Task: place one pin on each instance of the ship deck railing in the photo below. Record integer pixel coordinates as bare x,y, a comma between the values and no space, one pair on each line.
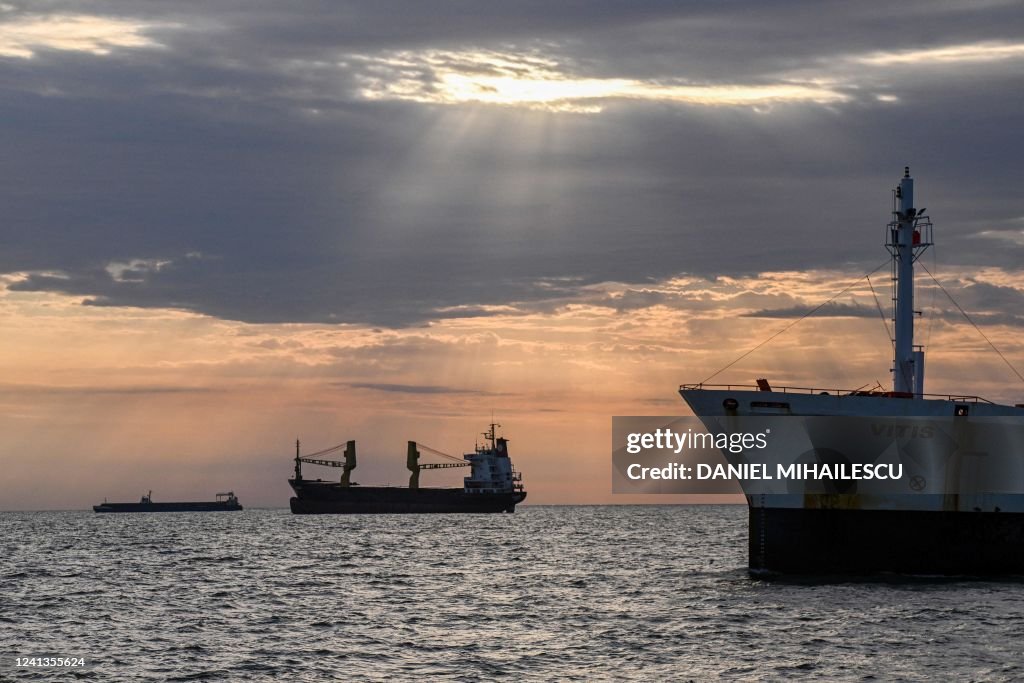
957,398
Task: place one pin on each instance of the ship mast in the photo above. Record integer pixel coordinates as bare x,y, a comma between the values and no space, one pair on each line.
491,434
909,234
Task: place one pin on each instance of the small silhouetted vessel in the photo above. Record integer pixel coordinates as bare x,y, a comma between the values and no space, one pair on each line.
492,486
224,502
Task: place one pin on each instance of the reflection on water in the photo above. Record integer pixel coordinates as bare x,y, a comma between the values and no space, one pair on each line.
567,593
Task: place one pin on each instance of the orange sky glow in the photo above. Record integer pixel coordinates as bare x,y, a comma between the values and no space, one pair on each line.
111,402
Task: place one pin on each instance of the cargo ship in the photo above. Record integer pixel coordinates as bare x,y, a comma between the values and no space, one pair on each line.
493,485
961,509
225,502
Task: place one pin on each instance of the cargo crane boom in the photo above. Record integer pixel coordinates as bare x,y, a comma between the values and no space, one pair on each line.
412,463
325,463
347,465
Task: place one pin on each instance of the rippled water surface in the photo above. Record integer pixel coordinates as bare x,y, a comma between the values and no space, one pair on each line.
549,593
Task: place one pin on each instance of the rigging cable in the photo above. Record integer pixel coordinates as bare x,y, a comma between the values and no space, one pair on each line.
326,450
880,311
802,318
933,312
968,319
437,452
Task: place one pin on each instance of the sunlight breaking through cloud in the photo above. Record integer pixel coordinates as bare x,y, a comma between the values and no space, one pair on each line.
532,80
25,36
973,52
135,270
486,77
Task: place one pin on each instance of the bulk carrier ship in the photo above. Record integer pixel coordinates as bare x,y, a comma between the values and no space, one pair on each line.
960,510
493,485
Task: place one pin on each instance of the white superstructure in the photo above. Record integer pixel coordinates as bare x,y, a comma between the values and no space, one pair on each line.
492,470
985,475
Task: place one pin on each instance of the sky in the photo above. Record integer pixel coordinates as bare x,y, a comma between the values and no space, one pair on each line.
228,225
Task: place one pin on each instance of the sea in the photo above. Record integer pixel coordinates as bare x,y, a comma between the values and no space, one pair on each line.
603,593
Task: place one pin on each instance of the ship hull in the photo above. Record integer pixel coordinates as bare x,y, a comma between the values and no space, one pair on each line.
198,506
317,498
969,520
790,541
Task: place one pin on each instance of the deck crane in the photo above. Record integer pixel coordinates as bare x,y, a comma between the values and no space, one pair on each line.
349,463
413,464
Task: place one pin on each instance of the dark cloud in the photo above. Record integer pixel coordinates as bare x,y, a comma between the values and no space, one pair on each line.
833,310
244,140
984,296
417,389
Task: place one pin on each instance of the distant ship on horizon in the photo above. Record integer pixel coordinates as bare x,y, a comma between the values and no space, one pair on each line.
962,511
225,502
493,485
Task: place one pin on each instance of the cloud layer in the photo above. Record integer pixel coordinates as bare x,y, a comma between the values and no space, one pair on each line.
391,165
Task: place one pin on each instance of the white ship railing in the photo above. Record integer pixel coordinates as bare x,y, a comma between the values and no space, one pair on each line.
834,392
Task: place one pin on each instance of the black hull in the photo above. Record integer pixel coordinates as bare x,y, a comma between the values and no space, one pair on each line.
167,507
798,541
318,498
